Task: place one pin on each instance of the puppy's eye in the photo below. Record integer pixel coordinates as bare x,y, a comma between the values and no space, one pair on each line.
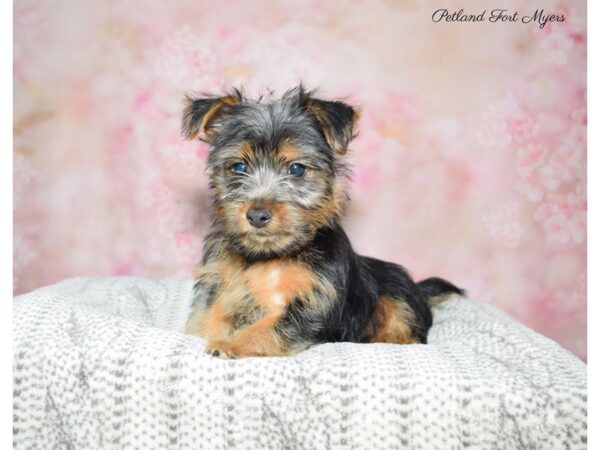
239,168
297,169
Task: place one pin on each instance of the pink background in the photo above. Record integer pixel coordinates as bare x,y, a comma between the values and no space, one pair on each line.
470,162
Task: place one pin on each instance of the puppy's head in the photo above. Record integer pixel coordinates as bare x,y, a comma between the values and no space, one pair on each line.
276,168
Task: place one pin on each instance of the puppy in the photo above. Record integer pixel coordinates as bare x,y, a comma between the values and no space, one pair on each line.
278,272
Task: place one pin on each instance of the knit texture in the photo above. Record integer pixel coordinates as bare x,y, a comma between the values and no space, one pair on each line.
102,363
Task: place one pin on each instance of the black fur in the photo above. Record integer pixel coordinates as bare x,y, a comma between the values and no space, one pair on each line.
359,281
432,287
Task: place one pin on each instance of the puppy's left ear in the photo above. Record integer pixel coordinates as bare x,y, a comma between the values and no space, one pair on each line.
337,120
201,115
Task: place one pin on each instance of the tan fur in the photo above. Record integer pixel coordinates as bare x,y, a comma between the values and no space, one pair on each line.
271,285
321,116
216,323
258,339
204,131
246,152
287,152
393,319
277,282
333,206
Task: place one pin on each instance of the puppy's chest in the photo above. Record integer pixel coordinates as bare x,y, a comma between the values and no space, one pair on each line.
263,288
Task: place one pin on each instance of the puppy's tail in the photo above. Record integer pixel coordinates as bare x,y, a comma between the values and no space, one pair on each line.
436,290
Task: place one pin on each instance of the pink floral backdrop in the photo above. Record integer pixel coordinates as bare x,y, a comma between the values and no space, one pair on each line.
470,162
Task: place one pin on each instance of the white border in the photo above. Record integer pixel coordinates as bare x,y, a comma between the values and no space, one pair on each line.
6,223
593,222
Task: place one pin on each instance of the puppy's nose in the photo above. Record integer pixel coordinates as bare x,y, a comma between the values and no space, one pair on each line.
258,217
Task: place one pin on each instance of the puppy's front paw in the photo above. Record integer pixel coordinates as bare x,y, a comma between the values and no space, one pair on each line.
220,349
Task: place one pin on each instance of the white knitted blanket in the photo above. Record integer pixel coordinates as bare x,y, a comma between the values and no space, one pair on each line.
101,363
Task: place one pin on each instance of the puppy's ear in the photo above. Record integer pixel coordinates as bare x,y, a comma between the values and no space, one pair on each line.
337,120
200,115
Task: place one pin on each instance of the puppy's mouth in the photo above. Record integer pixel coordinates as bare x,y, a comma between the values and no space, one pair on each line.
265,243
263,233
266,237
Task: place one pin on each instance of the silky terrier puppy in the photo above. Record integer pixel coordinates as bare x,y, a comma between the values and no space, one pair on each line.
278,273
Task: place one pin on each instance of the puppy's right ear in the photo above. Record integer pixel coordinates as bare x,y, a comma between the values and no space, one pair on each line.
201,115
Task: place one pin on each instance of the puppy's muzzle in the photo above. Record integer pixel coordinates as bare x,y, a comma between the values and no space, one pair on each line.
259,217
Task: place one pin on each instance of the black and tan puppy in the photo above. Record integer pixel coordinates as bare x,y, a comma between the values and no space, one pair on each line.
278,273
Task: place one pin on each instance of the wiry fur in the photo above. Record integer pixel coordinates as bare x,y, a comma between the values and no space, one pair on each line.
296,282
